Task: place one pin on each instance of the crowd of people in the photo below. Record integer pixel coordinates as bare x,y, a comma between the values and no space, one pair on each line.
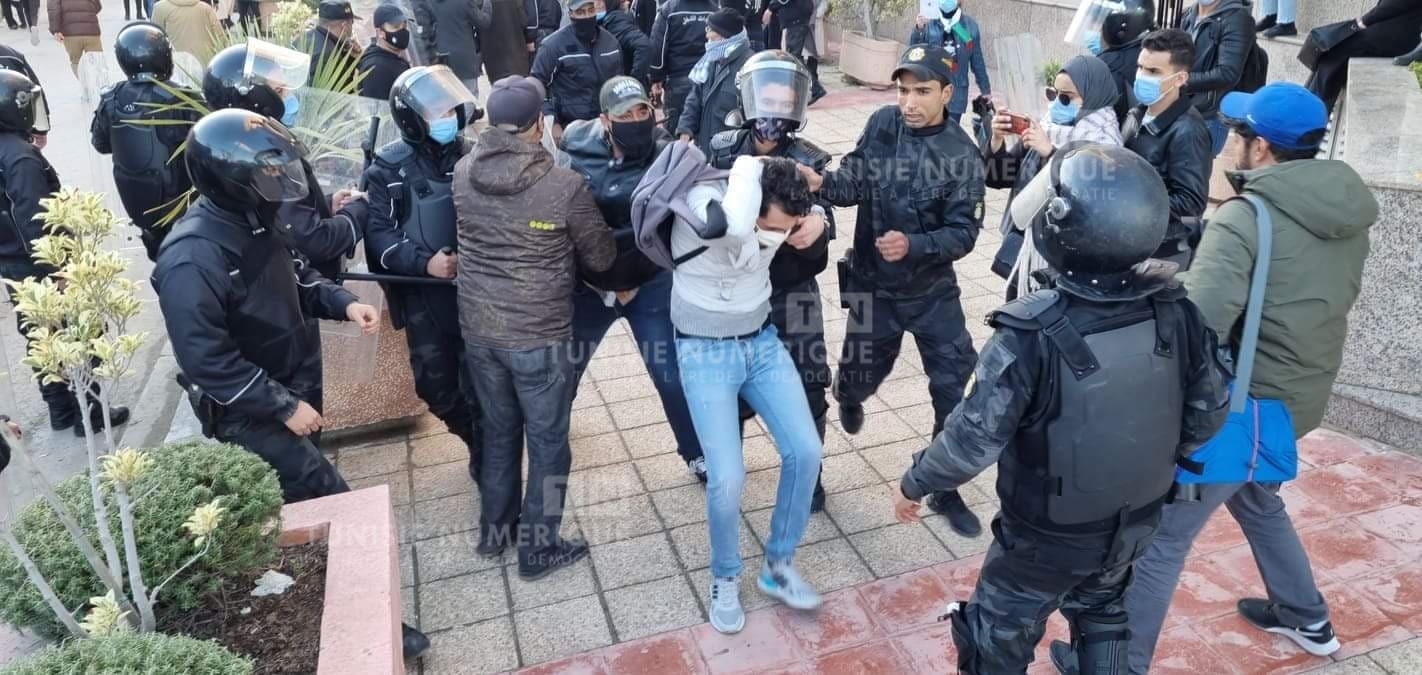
505,261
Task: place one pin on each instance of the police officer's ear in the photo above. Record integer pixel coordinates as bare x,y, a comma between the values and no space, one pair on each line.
947,93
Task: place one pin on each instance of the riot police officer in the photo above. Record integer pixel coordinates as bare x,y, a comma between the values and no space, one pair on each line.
241,310
773,89
412,233
263,78
26,177
149,180
1081,492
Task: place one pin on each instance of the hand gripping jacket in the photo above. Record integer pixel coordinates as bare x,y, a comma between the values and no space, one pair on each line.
1099,447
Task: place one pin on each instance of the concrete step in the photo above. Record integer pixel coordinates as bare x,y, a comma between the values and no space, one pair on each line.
1390,417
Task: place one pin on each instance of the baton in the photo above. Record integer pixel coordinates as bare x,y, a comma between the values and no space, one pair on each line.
393,279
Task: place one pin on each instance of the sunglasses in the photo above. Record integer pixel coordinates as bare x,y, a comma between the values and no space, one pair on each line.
1053,94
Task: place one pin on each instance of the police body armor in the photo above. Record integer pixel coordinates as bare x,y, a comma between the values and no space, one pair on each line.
143,175
12,239
425,207
1099,448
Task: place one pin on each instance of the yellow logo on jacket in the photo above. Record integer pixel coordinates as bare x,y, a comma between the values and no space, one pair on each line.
541,225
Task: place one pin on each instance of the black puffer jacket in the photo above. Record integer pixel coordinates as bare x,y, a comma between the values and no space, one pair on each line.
573,73
587,150
1177,144
1223,40
679,37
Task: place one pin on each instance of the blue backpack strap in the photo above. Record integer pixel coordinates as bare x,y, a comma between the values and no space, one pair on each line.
1249,338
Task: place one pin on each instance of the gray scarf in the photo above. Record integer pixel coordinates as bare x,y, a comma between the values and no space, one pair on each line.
717,52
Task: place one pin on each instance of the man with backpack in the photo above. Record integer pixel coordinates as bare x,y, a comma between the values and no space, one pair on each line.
1321,212
1226,59
723,237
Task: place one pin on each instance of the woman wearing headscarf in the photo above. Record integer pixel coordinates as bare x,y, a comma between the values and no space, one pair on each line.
1081,109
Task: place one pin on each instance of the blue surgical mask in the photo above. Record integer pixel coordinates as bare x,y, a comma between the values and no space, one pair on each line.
292,104
948,6
1148,89
601,16
1064,114
444,129
1093,43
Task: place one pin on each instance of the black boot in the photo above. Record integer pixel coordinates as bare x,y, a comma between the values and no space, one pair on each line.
118,416
1281,30
960,517
63,411
817,90
1409,58
1263,24
1064,657
413,643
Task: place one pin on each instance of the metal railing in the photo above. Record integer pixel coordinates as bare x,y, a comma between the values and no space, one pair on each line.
1168,13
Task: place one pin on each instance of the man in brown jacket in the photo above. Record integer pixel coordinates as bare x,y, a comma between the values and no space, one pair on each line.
525,226
76,24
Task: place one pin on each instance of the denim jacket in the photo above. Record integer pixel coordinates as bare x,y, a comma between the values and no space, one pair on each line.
967,54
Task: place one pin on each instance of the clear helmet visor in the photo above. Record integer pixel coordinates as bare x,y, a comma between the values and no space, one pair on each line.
280,68
1089,17
281,181
437,92
34,100
778,90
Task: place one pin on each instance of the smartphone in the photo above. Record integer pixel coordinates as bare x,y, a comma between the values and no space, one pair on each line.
1020,123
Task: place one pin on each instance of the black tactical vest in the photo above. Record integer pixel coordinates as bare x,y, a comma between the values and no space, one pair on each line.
143,174
428,219
1098,447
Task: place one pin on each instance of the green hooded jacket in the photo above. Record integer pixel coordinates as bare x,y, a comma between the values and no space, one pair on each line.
1321,212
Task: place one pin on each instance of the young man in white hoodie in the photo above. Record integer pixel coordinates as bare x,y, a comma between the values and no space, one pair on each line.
727,349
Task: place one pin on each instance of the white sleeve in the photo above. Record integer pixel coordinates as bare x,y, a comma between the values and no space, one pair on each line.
740,202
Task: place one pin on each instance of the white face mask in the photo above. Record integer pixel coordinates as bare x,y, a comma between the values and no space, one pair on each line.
770,239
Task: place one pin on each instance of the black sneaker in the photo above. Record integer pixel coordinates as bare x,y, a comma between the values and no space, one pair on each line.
117,417
1317,641
817,93
1266,23
1281,30
413,643
1063,658
851,417
567,552
817,500
960,517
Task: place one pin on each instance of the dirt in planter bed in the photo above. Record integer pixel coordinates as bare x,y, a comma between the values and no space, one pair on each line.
281,633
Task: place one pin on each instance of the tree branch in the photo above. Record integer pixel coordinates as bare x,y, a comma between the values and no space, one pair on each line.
36,578
135,570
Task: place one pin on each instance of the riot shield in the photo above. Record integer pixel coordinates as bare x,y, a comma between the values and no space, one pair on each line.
1019,74
364,30
335,128
1090,14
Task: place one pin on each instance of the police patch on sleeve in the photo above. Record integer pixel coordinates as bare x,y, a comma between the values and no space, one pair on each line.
979,209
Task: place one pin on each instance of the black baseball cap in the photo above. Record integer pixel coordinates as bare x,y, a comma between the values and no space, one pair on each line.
926,62
391,14
334,10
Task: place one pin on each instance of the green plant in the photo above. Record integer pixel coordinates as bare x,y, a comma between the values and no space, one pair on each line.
183,479
866,14
133,653
1417,70
1049,72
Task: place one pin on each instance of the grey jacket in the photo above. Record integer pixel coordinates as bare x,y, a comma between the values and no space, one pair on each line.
452,27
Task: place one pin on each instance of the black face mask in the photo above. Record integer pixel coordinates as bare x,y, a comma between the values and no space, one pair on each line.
635,139
400,39
772,128
585,29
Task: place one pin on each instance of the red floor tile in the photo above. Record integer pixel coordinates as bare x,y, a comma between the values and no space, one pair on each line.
1398,593
1344,489
930,650
1251,650
1181,651
1343,550
842,621
1323,447
906,601
1221,532
587,663
1360,625
875,658
765,643
1400,525
1401,472
1211,585
674,652
961,576
1303,510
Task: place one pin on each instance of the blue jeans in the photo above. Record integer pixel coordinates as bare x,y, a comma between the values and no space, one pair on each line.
1219,133
1286,9
649,316
714,374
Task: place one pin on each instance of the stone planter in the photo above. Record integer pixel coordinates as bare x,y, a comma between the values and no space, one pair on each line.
355,402
360,625
869,61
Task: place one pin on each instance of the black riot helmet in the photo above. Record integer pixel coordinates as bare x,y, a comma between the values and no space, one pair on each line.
1128,20
773,85
21,110
1096,212
257,76
143,50
424,94
245,163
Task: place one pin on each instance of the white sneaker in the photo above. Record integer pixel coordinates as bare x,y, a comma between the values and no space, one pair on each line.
782,582
726,613
697,467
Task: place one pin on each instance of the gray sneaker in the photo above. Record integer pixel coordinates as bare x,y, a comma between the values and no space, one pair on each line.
726,613
782,582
